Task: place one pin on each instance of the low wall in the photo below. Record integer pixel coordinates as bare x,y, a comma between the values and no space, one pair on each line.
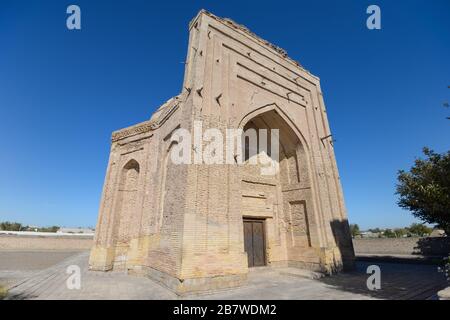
18,242
379,246
439,246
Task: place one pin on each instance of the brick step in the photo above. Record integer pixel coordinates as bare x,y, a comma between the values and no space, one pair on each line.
302,273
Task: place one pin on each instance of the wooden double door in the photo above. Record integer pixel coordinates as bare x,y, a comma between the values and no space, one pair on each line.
254,242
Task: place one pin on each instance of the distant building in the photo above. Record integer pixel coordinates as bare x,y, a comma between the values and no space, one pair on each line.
370,234
437,233
76,230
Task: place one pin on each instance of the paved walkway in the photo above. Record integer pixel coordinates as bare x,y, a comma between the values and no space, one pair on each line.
399,281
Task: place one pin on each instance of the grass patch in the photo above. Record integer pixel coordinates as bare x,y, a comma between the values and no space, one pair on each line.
3,292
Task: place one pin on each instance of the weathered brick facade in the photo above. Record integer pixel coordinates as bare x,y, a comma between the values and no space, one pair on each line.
183,224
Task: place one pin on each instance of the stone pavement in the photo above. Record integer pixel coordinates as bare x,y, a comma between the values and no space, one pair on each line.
19,264
50,283
399,281
32,259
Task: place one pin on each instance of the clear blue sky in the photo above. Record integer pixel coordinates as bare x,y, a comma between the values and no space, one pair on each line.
63,92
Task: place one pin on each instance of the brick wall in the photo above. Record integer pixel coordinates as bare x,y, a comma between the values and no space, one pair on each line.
13,242
402,246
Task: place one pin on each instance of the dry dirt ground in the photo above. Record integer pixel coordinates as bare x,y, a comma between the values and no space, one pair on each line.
37,274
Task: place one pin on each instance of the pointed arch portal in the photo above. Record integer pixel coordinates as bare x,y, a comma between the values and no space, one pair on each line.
277,199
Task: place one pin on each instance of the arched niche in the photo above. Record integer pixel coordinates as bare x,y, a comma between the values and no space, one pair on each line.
292,150
284,200
126,209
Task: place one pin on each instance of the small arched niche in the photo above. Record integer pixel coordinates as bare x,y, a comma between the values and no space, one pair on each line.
168,172
127,197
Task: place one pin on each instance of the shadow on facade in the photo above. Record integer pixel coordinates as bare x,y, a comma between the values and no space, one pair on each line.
343,240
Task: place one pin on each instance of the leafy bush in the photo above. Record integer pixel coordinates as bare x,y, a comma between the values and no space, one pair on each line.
3,292
446,268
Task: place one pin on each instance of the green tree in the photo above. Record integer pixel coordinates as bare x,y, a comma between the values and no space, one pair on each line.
425,189
400,232
419,229
49,229
388,233
10,226
354,229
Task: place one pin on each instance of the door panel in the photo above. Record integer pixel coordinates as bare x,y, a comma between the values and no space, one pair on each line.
258,244
248,241
254,242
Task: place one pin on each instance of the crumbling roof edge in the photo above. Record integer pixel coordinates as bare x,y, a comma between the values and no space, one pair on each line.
239,27
158,117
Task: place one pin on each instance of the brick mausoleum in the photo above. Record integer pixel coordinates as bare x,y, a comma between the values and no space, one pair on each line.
201,226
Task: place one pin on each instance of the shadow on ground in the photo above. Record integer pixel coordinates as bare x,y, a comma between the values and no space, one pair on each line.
399,281
433,246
